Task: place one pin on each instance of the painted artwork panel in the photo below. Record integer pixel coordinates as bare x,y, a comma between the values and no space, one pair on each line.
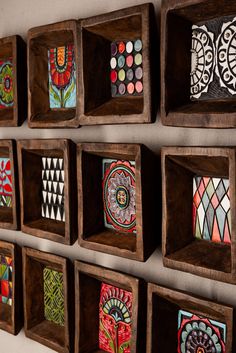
211,209
119,195
53,296
198,334
53,188
115,319
62,77
6,267
5,183
6,84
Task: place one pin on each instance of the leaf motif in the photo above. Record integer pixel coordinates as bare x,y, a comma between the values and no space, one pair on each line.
69,91
123,346
106,333
54,93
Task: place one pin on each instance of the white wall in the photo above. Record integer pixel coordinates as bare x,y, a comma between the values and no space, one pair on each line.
16,17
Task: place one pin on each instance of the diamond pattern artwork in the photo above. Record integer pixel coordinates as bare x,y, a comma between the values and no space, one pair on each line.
115,319
5,183
6,84
211,209
53,296
197,334
6,265
53,188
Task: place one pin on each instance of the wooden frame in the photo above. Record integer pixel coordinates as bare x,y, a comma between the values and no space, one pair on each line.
176,107
30,153
11,319
163,306
88,279
93,235
181,250
59,338
40,39
96,106
15,47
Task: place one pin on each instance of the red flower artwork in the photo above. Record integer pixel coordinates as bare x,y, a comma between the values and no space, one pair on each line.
5,182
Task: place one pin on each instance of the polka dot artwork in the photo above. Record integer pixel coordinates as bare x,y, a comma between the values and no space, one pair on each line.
126,73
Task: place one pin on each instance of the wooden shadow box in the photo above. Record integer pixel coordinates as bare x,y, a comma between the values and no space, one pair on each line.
110,234
53,335
11,303
88,289
9,207
199,211
48,204
166,320
13,75
97,103
41,114
216,106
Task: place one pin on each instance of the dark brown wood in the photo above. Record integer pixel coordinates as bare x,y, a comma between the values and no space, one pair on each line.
40,39
92,233
180,249
15,47
11,317
88,280
96,106
162,317
177,18
30,153
59,338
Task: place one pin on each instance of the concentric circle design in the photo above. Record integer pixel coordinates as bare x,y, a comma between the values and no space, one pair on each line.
226,56
203,60
6,84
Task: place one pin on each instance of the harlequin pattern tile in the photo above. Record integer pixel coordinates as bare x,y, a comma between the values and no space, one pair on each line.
211,209
62,77
115,319
197,334
119,195
53,188
6,84
6,265
5,183
53,296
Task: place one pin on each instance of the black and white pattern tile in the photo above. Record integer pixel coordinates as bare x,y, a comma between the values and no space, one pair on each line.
53,188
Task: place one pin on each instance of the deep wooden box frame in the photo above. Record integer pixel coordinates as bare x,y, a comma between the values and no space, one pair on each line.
88,279
92,234
15,47
176,107
162,317
180,249
59,338
11,318
40,39
96,34
30,153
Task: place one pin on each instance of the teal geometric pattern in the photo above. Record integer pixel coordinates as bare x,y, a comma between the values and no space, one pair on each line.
53,296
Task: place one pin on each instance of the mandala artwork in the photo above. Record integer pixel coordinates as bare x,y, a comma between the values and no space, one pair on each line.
5,183
6,265
211,209
6,84
200,335
119,195
202,60
53,296
115,319
53,188
62,77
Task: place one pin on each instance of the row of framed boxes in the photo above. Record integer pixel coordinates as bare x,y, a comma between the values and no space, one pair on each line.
111,309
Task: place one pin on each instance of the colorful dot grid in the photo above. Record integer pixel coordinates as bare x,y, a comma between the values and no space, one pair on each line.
126,73
5,280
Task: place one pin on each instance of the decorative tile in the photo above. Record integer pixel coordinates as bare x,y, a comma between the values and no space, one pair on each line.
62,77
119,195
211,209
6,265
115,319
5,183
126,68
53,296
197,334
6,84
53,188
